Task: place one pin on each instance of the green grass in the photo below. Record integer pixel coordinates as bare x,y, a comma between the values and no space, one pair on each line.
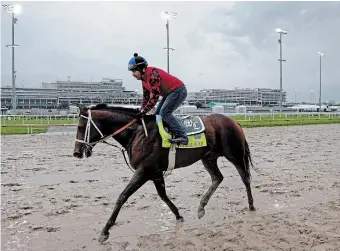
245,121
39,121
7,130
21,130
237,117
278,117
288,122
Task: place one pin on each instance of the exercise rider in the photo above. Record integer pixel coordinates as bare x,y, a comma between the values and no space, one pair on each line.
157,82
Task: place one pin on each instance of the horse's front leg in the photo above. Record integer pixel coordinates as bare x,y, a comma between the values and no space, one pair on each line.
138,180
160,187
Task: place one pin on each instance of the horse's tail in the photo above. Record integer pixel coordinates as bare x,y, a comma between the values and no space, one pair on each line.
246,157
247,160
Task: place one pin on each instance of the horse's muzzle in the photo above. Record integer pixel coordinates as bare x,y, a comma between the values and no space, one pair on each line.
80,151
78,154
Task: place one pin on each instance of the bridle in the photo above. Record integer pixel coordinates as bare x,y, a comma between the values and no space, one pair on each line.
103,138
90,121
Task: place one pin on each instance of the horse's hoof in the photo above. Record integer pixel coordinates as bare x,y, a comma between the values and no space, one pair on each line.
103,237
252,208
180,219
201,213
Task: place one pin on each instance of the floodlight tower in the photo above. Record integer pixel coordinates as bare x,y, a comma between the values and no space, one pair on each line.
321,54
14,9
280,31
168,15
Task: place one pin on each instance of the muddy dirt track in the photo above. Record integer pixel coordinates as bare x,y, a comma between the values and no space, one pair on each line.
53,201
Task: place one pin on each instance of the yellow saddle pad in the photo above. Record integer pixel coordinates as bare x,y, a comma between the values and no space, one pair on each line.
194,128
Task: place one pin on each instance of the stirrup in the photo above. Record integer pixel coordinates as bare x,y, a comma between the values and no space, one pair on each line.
180,141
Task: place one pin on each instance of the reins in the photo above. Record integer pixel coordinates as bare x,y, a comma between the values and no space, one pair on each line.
124,127
123,152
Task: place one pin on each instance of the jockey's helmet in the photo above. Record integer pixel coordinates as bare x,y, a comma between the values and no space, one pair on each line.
137,63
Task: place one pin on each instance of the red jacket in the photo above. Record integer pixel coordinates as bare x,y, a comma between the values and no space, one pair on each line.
158,83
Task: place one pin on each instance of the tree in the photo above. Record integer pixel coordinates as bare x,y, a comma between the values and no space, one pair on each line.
198,105
81,105
63,106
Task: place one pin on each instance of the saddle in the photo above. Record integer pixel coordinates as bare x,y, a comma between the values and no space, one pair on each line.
194,128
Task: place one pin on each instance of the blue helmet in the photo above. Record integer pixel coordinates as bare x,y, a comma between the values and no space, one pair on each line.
137,63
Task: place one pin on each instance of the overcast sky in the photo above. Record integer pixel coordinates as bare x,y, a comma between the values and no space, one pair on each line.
217,44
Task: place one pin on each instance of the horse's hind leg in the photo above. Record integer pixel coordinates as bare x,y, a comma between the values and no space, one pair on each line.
240,162
160,187
242,170
238,153
210,163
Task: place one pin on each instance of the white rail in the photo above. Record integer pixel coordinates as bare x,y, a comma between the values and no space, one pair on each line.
48,119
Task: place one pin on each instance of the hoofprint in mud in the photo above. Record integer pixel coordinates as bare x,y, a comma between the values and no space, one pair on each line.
52,201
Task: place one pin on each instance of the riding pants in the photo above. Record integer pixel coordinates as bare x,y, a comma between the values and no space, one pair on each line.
168,105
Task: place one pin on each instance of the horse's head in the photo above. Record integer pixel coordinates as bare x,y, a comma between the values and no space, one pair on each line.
98,123
89,131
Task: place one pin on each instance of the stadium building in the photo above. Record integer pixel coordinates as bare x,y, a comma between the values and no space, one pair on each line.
247,96
52,94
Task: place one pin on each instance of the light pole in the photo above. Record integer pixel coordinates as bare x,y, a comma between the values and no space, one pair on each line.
320,56
91,89
168,15
295,95
69,84
280,31
14,9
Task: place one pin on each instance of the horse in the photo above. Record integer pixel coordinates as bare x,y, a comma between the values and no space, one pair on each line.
149,160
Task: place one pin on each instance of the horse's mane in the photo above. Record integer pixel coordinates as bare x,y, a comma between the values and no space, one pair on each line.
131,111
122,110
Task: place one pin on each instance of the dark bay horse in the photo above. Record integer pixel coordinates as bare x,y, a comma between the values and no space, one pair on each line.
149,159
